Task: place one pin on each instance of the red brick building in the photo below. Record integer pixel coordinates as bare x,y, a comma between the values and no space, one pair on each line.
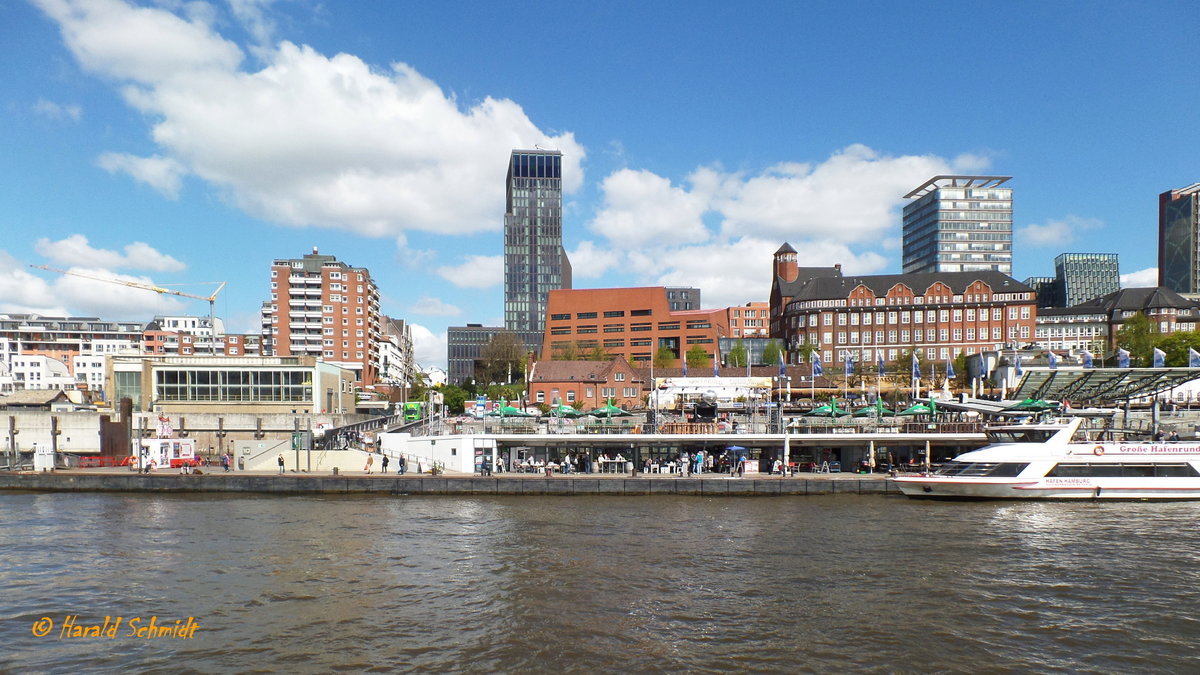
632,323
324,308
939,314
591,382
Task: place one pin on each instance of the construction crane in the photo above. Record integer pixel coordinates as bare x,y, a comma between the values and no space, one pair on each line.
212,299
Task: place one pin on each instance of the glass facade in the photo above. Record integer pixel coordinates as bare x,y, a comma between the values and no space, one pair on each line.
959,224
206,384
534,260
1085,276
1179,240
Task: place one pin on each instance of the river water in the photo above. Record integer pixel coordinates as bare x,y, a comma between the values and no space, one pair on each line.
598,584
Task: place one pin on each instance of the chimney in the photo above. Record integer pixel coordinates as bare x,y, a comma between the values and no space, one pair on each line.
314,250
838,267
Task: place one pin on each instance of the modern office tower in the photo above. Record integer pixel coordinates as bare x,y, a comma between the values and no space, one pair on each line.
959,224
464,349
324,308
1083,276
534,260
1179,239
1047,289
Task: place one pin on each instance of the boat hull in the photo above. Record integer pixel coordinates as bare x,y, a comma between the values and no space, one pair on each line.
935,487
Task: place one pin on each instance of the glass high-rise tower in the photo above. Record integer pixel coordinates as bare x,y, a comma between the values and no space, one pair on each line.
1179,239
1086,276
534,260
959,224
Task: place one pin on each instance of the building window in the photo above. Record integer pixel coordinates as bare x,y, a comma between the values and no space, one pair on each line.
541,397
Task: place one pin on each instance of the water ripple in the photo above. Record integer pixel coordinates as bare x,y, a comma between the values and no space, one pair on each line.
606,584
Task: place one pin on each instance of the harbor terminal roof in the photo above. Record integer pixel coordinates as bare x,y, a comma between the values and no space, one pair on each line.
1100,385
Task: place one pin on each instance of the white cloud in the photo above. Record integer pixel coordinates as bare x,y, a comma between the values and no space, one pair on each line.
1056,232
308,139
161,173
641,207
478,271
1140,279
590,261
429,348
720,229
56,111
854,196
88,297
428,306
254,18
22,292
76,251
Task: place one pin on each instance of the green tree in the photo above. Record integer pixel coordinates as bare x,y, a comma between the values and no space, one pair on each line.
1137,335
502,358
506,392
664,357
697,356
806,350
1176,346
772,353
455,398
738,356
960,370
568,351
598,354
419,388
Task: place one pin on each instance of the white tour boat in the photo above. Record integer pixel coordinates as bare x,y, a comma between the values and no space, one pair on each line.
1058,460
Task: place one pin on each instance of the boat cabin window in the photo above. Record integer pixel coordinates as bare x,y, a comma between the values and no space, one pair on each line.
999,470
1114,470
1020,435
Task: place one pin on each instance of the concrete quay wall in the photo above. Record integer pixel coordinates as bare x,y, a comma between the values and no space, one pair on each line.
440,485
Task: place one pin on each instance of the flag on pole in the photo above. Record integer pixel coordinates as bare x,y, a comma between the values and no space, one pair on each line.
1122,358
1193,358
683,357
1053,359
879,366
916,366
716,363
1089,360
1160,358
1018,358
817,370
949,370
782,361
848,368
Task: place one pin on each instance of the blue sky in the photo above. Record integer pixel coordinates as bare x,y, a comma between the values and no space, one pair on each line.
183,142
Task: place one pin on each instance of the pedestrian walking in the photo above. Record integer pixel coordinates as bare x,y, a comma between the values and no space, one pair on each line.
741,466
281,464
225,461
385,463
402,465
370,463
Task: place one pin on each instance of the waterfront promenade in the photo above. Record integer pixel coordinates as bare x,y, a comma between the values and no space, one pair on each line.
264,482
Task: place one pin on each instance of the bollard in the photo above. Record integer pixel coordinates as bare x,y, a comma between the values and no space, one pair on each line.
335,471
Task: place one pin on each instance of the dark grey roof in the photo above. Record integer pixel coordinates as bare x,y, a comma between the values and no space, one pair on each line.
786,248
1138,300
828,288
789,289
